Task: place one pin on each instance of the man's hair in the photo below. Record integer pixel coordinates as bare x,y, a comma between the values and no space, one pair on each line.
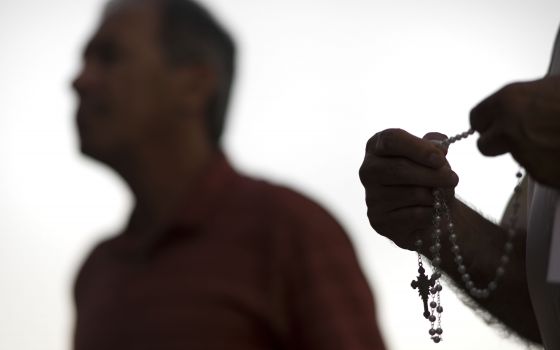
190,34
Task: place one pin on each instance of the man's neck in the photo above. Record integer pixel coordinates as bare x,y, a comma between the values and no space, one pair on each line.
161,184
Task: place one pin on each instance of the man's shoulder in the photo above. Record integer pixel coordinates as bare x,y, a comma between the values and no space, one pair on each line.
280,202
277,195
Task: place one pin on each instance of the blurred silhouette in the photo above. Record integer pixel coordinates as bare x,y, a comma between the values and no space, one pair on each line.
210,259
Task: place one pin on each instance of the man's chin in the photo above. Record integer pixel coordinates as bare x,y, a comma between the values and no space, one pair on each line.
95,153
103,155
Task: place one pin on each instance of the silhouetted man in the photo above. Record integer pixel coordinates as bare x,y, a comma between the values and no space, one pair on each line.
210,259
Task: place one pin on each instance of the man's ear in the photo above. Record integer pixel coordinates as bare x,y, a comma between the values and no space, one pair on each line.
195,85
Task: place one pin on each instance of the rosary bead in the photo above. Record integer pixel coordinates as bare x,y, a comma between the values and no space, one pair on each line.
442,212
508,247
418,243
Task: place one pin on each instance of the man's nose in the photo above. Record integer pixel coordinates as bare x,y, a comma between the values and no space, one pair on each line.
84,79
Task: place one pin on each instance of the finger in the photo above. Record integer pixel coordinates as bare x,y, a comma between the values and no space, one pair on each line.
384,199
436,136
393,171
493,142
399,143
501,103
403,226
483,115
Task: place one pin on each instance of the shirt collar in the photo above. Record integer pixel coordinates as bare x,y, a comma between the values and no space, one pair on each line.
209,190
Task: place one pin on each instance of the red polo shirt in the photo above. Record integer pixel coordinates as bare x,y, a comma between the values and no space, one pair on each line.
248,265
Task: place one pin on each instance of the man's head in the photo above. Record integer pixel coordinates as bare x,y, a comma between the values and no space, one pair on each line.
154,67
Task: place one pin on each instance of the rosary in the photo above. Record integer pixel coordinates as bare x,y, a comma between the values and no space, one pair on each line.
429,289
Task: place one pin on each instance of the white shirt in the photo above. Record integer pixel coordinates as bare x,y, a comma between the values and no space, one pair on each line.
543,228
543,248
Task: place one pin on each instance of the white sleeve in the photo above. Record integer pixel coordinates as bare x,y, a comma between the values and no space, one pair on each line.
554,260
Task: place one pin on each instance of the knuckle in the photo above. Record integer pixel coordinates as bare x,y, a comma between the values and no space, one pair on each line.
370,145
369,172
513,88
371,202
475,117
377,222
386,140
365,172
510,95
375,206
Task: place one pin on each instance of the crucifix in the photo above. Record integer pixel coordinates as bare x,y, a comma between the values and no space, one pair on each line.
423,284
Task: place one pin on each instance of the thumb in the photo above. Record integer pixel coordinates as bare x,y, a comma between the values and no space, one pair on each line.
435,137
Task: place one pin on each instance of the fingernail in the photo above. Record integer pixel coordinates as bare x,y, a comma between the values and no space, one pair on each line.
436,160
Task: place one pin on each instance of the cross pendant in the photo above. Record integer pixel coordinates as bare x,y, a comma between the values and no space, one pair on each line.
423,284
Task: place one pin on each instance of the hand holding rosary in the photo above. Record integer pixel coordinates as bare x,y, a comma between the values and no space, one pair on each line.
430,288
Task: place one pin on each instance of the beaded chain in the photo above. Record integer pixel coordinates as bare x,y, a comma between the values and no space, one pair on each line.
429,289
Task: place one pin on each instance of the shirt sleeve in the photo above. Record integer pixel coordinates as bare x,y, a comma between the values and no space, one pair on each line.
330,305
554,260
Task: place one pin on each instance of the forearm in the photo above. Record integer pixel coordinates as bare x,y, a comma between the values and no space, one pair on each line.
482,245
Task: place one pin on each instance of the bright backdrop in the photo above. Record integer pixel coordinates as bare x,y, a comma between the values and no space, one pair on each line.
316,79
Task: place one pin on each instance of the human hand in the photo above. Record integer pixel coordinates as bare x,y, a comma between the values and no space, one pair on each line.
399,173
523,119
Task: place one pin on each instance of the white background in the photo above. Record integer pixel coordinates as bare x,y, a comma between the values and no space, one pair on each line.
316,79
